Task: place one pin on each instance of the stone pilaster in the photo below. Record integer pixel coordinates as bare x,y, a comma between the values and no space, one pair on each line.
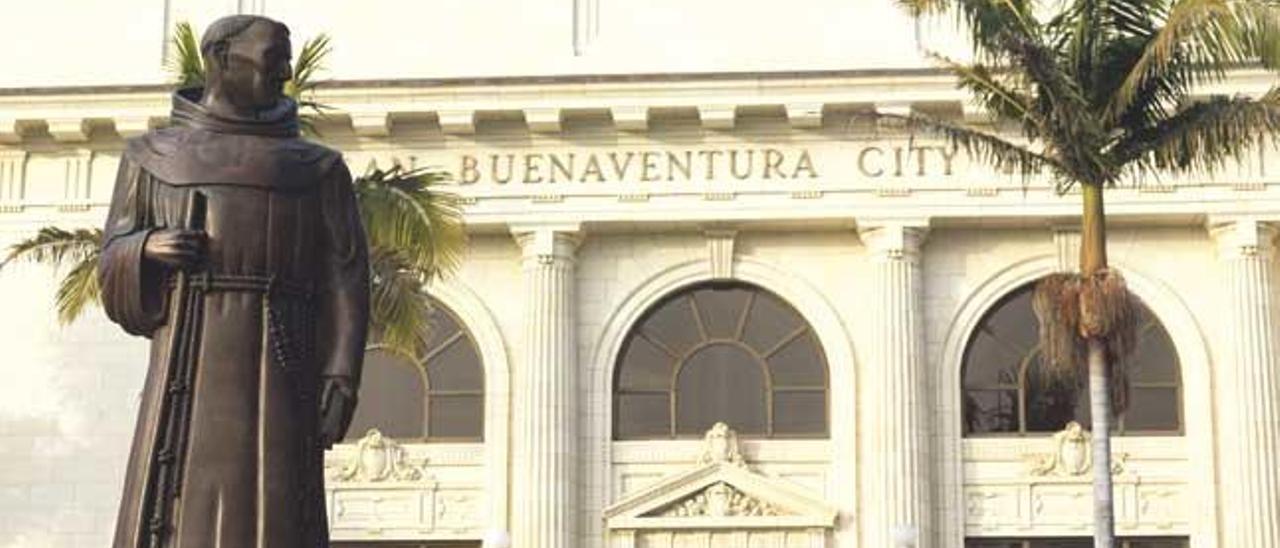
544,507
1248,386
895,488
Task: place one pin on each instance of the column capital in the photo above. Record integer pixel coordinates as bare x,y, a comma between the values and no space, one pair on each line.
894,238
546,243
1242,237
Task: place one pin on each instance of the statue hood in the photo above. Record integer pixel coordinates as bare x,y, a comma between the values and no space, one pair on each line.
206,148
278,121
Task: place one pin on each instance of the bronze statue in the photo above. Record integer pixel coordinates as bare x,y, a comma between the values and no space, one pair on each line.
237,248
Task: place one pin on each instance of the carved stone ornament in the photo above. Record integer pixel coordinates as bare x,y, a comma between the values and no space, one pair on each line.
720,445
377,458
1072,455
719,500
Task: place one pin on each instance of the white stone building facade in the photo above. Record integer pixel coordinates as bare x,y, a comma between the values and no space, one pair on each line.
618,162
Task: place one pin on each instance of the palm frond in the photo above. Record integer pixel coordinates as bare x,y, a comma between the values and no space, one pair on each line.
398,319
185,64
301,88
56,247
78,289
1205,136
997,96
986,21
1202,38
309,63
982,146
404,210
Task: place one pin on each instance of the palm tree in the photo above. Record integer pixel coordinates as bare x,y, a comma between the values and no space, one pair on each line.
1104,93
415,231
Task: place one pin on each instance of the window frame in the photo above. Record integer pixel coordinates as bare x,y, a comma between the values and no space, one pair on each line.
460,335
1029,359
706,340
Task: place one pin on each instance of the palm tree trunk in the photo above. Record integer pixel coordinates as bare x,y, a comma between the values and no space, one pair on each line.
1093,258
1100,409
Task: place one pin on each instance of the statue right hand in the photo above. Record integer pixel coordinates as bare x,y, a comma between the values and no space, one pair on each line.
175,247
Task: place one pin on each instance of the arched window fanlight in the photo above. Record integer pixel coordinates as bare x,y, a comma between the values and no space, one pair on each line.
724,352
1007,392
438,396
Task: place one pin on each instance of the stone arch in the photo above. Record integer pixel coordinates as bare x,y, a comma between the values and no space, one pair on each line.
476,318
807,300
1172,312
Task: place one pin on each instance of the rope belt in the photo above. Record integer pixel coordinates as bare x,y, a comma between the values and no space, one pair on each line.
249,283
289,350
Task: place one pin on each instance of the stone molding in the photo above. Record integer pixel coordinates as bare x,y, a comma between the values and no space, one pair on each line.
719,492
720,252
894,239
547,244
807,100
1243,237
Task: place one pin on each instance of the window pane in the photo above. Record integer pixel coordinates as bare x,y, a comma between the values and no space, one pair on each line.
799,412
721,309
645,366
1159,543
440,326
1154,359
721,383
1062,543
991,411
456,416
991,543
457,367
392,398
1152,409
674,326
643,416
768,322
990,362
799,363
1051,402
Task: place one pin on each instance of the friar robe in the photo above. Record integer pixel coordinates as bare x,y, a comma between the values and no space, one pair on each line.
227,452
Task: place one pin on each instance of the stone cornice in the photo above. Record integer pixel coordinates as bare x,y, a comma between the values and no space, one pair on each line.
453,107
1243,237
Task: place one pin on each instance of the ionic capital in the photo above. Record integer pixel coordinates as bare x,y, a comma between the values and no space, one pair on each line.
897,239
1244,237
547,243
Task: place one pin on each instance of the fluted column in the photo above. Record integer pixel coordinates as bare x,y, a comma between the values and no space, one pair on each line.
1248,386
894,434
544,509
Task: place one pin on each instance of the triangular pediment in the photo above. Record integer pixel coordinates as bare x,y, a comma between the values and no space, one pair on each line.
722,491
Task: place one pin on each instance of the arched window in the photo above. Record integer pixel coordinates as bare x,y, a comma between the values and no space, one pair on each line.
1006,390
723,352
437,397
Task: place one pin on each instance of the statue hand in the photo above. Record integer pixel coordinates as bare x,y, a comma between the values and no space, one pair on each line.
175,247
337,407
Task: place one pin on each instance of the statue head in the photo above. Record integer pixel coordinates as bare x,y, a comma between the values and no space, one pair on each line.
246,61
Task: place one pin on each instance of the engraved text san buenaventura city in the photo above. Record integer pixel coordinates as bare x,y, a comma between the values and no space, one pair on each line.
709,164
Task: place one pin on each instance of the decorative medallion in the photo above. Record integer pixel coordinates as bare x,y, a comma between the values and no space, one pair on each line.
720,445
1072,455
377,458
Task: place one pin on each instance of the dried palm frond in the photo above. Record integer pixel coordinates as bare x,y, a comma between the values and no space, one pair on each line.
1106,308
1073,309
1056,303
